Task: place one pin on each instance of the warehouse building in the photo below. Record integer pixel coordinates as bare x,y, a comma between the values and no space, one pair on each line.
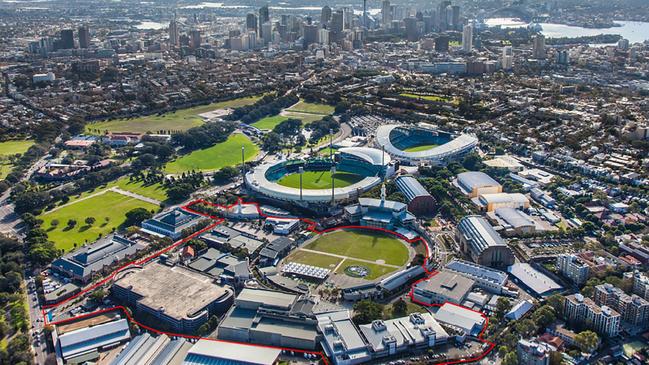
445,286
460,318
482,243
485,278
420,202
491,202
148,349
271,318
476,183
162,291
210,352
512,222
533,280
81,343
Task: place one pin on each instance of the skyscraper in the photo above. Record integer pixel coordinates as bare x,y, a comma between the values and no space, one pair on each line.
310,35
441,43
539,47
195,38
467,38
174,37
412,32
251,22
507,58
84,36
325,16
264,17
267,32
67,39
442,13
456,16
386,14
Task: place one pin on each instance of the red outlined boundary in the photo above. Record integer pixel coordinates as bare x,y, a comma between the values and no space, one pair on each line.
311,228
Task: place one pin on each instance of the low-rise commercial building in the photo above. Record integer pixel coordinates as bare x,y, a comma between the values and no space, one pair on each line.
485,278
476,183
82,344
533,280
491,202
461,319
172,223
445,286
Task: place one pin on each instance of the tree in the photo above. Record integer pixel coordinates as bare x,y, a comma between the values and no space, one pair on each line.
90,221
399,308
587,341
136,216
556,302
98,295
72,223
225,174
366,311
179,192
510,359
503,305
544,316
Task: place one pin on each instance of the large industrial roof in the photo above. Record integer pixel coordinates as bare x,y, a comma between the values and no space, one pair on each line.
514,217
476,179
267,298
455,146
209,352
460,317
410,187
535,280
479,233
86,339
478,271
451,285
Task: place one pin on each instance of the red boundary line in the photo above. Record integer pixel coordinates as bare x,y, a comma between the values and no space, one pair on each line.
311,228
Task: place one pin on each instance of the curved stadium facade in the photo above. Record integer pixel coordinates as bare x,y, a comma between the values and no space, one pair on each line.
371,163
396,139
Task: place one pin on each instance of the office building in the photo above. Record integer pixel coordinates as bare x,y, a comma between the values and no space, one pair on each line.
162,292
507,58
67,39
442,44
573,268
412,31
533,353
84,37
323,36
325,15
633,309
195,39
585,312
251,22
310,35
445,286
341,339
267,33
482,243
467,38
386,14
455,16
271,318
171,223
538,50
174,36
264,17
563,57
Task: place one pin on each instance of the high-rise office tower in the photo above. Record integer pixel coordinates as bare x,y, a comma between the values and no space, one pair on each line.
264,17
348,17
310,35
323,36
386,14
442,13
325,16
84,36
195,38
67,39
174,36
507,58
455,17
467,38
251,22
412,31
539,47
266,32
441,43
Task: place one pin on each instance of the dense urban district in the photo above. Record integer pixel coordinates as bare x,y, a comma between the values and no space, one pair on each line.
402,182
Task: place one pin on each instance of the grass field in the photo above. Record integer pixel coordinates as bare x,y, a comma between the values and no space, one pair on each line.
153,191
269,123
312,108
314,259
110,205
10,148
363,245
223,154
319,180
306,118
438,98
422,147
376,270
179,120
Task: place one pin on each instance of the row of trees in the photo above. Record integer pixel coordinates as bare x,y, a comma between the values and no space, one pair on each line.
204,136
266,106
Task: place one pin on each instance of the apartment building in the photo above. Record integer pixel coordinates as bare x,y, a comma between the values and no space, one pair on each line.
632,308
584,311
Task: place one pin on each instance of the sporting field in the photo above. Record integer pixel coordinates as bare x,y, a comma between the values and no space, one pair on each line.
319,180
306,118
269,123
422,147
179,120
312,108
223,154
363,245
109,205
376,270
314,259
9,148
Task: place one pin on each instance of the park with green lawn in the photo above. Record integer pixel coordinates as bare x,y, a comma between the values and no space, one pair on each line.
302,110
269,123
364,245
11,148
311,108
437,98
180,120
108,209
319,179
227,153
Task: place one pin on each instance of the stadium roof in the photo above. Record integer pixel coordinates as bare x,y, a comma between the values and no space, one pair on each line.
210,352
458,145
382,204
371,155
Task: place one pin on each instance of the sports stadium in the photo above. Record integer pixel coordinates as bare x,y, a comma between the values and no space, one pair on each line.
423,144
352,171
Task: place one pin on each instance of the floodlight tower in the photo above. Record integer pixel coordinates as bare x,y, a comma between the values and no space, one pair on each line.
331,144
243,164
301,171
333,183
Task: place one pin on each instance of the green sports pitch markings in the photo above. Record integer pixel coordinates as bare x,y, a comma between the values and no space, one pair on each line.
222,154
314,259
269,123
179,120
362,245
375,270
319,180
108,209
422,147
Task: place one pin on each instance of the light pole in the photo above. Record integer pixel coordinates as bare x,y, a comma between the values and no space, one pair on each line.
243,164
333,183
301,171
331,144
